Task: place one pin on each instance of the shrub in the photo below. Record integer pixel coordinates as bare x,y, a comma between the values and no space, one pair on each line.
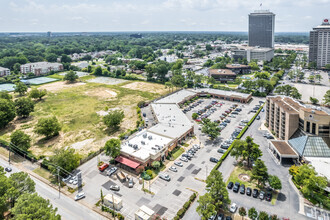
149,172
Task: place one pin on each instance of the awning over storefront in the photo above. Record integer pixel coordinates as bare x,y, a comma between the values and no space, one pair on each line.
127,162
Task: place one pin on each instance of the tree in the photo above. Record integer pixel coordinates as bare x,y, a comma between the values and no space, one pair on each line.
275,182
161,71
21,88
263,216
37,94
216,187
113,119
208,47
254,66
67,159
242,212
21,140
7,112
259,172
311,78
98,71
112,147
210,128
156,165
205,206
32,206
318,77
169,86
20,183
24,106
5,95
65,59
314,101
194,115
327,98
71,76
252,213
327,66
49,127
178,81
262,75
246,149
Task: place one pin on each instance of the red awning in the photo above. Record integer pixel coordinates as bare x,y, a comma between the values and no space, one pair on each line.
127,162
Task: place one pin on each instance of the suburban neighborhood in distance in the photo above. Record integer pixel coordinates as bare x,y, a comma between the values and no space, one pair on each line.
202,115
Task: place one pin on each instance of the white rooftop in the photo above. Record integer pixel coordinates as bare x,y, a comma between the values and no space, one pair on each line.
170,114
3,68
171,131
145,144
222,92
176,97
321,165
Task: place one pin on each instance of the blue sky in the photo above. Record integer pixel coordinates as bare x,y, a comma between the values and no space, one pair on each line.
155,15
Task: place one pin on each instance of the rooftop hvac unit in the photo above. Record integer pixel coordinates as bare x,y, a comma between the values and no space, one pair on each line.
150,137
130,145
135,147
154,148
145,135
318,108
142,142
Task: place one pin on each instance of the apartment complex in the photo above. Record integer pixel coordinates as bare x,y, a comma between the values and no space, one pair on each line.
41,68
319,44
261,29
253,53
4,71
284,116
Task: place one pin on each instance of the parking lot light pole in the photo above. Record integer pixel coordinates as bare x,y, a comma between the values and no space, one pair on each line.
59,183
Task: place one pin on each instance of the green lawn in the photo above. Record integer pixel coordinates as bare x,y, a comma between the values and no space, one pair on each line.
234,177
177,153
43,173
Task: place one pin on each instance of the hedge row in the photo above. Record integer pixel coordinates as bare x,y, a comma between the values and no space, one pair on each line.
242,132
185,207
113,213
224,156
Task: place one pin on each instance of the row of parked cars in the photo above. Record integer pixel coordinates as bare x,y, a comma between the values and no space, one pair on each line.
207,110
188,155
192,106
237,187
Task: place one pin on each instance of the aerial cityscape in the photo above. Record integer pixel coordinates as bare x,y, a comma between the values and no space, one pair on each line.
146,110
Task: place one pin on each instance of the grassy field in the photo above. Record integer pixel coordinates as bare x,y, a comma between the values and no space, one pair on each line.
79,108
177,153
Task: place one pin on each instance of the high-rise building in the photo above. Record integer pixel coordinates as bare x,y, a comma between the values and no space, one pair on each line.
261,28
49,34
319,44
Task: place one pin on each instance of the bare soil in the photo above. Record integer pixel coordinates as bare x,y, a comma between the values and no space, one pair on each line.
57,86
147,87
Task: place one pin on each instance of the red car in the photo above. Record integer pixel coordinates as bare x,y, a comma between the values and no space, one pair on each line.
103,167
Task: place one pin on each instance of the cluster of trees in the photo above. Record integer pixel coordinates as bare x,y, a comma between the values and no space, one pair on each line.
280,62
216,197
311,184
254,215
210,128
327,98
288,90
17,194
250,152
71,76
113,119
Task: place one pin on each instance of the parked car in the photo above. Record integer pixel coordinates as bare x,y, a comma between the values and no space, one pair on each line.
165,177
173,169
63,179
184,159
212,217
221,217
103,167
258,117
111,171
262,195
255,193
242,189
221,151
114,187
228,218
214,160
236,187
79,196
269,196
130,183
230,185
197,146
248,191
178,163
233,208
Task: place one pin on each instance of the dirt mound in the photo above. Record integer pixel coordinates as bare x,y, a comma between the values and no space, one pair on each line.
148,87
244,177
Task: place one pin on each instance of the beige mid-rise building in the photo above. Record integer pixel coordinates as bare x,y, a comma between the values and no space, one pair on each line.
284,116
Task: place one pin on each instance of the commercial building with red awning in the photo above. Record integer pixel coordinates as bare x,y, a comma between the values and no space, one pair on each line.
127,162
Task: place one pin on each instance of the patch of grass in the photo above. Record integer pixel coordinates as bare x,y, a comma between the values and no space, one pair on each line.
4,152
185,145
43,173
234,177
147,191
177,153
57,76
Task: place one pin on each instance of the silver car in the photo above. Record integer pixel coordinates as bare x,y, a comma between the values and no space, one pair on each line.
173,169
184,159
79,196
178,163
115,187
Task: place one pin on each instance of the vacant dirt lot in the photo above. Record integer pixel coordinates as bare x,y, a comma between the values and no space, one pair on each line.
58,86
147,87
101,93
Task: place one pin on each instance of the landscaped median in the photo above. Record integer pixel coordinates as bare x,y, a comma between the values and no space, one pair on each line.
185,207
256,114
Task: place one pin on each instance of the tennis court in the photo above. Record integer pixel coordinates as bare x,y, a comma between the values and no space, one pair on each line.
7,87
38,81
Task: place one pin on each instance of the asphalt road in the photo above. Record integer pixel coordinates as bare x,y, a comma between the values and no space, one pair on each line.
67,207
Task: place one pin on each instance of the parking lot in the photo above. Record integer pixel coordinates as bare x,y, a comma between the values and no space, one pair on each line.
169,196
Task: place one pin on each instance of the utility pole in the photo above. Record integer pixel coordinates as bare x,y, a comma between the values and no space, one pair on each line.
59,183
9,156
